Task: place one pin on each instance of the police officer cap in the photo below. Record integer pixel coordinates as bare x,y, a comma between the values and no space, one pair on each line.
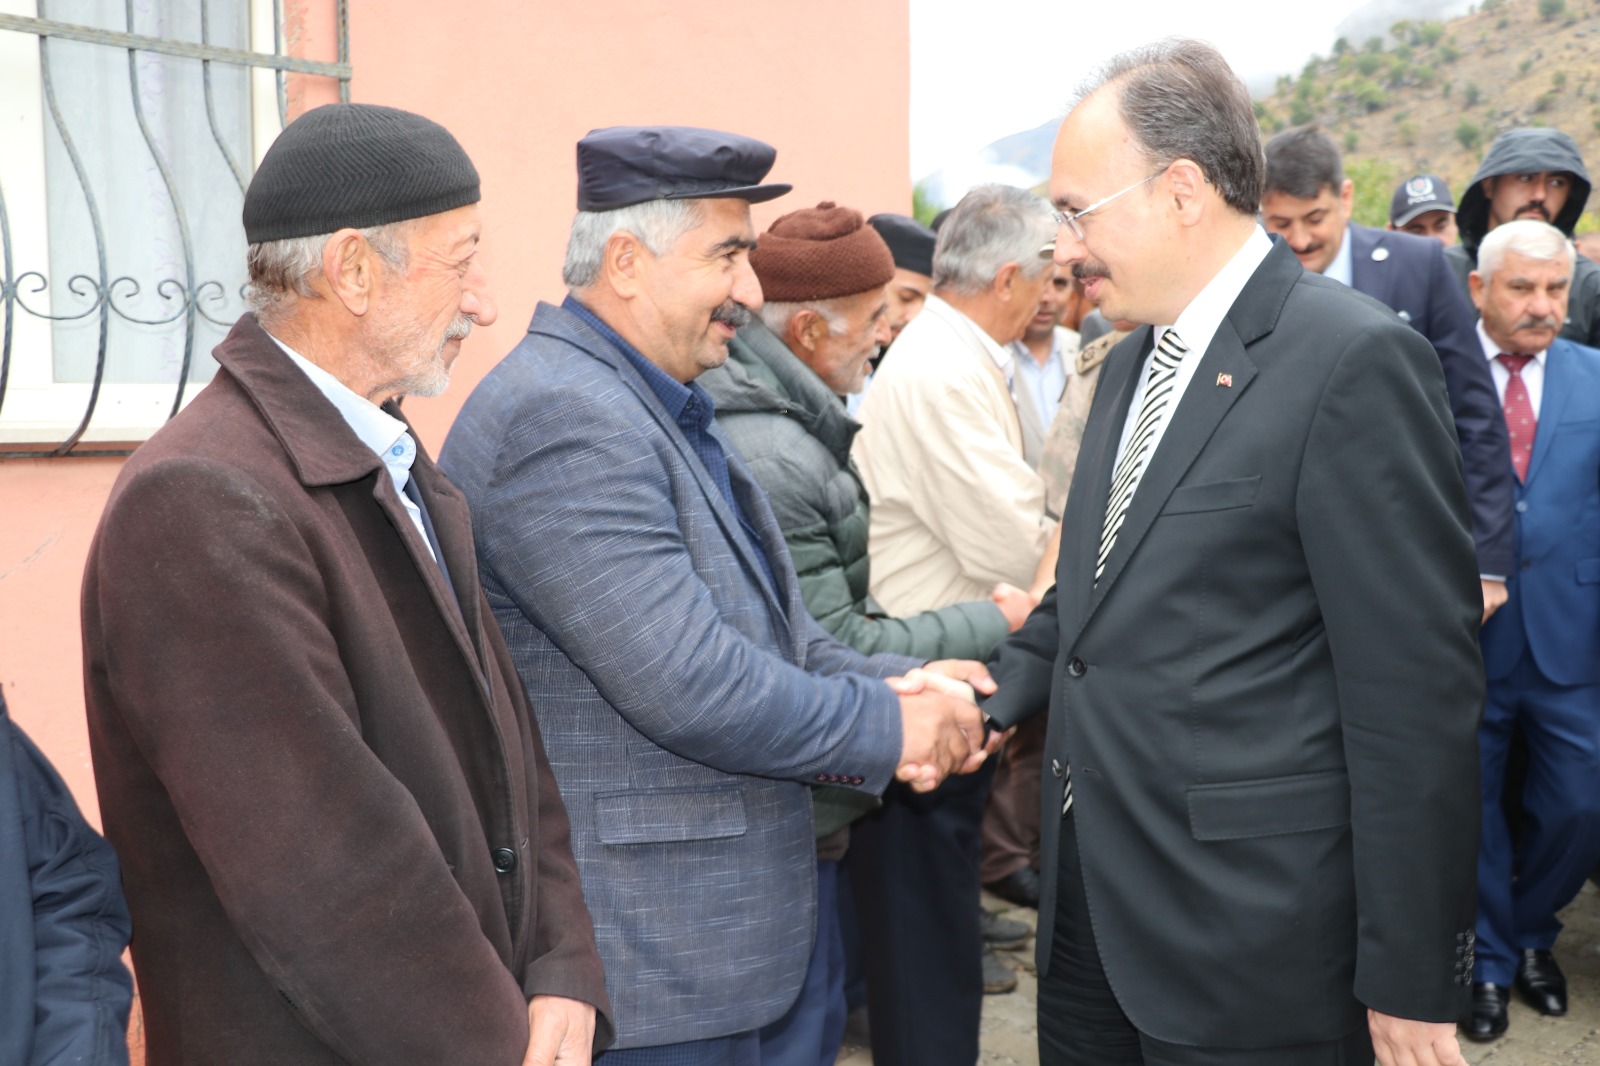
624,165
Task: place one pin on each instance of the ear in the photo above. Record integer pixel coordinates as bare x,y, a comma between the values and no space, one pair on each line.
350,270
1347,195
1476,289
623,262
806,330
1005,278
1185,182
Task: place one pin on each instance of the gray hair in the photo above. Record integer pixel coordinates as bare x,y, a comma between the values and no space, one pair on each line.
657,223
992,225
280,272
1527,236
777,316
1181,100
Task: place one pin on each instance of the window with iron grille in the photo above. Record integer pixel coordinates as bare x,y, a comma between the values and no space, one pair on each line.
128,133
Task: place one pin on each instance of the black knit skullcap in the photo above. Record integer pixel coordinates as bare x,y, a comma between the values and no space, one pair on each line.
909,240
356,165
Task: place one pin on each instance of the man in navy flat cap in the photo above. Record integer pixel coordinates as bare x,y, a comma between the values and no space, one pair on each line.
685,696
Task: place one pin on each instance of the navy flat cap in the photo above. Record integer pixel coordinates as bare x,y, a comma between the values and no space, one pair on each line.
624,165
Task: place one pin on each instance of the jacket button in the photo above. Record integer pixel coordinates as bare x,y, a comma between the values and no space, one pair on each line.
1055,767
1076,667
505,860
1522,506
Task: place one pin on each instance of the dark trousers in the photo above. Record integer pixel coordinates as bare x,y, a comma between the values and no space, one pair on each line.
1081,1023
811,1033
914,873
1011,824
1559,840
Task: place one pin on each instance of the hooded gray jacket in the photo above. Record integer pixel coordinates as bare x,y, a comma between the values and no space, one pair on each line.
1531,150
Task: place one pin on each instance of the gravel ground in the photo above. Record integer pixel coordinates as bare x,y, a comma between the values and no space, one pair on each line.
1009,1034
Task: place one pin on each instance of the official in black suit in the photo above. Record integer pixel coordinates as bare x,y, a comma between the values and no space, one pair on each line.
1307,201
1263,708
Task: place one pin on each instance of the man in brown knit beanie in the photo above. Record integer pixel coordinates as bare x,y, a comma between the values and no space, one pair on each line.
824,275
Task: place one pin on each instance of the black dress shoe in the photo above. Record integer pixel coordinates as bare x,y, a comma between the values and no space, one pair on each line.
1542,983
1487,1020
998,978
1006,934
1021,888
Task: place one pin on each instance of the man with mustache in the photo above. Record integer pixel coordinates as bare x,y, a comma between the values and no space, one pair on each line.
1258,660
1539,650
685,695
1536,173
341,840
1307,201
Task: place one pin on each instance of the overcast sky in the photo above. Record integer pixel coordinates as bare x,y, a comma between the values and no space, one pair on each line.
981,69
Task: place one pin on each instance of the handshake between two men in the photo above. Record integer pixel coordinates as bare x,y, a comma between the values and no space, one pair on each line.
942,729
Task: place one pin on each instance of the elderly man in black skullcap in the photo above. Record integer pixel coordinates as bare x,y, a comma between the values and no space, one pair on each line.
687,697
340,838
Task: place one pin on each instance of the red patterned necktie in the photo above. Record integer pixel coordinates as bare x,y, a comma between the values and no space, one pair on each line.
1521,424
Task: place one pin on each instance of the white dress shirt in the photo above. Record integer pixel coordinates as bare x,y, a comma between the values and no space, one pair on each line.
1532,372
1340,269
383,433
1196,325
1043,384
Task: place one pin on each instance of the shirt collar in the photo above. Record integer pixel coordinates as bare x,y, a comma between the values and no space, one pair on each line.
674,395
1341,269
958,320
377,429
1491,349
1199,322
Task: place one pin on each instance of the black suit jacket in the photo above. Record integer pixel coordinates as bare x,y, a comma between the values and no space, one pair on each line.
1270,699
1410,275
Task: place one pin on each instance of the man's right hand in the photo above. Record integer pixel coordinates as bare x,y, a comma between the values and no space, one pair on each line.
1014,603
941,734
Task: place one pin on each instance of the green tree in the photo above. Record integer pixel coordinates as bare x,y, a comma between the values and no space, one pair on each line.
1374,180
923,206
1430,33
1472,94
1550,9
1468,133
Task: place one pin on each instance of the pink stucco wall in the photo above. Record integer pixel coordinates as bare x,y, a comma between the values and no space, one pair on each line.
827,82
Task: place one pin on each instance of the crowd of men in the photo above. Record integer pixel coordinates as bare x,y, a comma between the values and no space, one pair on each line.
1192,567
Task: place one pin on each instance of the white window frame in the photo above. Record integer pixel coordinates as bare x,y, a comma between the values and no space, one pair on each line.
38,410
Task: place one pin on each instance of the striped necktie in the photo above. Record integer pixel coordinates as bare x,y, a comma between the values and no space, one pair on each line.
1158,389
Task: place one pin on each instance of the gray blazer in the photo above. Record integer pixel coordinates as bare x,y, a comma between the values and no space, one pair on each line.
683,704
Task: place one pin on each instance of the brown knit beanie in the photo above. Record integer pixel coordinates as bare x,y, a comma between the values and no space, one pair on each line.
820,253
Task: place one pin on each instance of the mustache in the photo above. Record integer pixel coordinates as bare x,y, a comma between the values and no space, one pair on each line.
732,313
1537,322
1090,269
1535,206
458,329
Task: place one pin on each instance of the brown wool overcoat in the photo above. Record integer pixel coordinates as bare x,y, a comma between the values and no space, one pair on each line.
340,838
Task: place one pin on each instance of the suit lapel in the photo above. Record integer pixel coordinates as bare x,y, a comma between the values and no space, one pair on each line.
1091,482
1199,411
1367,274
575,331
1557,387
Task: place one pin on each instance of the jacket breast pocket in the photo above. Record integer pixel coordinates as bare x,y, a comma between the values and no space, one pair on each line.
662,816
1213,496
1275,806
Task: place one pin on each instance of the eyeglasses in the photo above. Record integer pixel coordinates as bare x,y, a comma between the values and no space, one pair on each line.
1071,221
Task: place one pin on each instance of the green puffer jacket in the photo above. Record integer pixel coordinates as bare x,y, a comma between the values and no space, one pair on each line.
795,436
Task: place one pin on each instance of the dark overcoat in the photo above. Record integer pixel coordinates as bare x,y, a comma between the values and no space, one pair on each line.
341,840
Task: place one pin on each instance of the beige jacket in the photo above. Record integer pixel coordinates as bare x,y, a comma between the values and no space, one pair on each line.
1065,435
955,506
